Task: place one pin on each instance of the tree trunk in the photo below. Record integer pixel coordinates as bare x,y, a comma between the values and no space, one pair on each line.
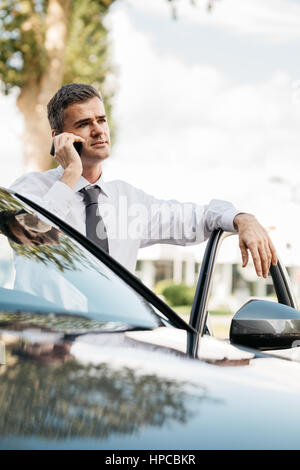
36,92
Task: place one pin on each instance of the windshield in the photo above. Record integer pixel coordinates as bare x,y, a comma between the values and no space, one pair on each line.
43,270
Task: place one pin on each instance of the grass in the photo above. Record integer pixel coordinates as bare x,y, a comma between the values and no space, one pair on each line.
220,319
220,312
186,310
183,309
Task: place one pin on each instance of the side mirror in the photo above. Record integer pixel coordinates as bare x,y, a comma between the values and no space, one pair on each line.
264,325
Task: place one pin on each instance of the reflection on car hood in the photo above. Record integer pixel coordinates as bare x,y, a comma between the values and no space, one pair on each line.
66,324
117,390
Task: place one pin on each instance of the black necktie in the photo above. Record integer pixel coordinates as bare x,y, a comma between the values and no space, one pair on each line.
95,228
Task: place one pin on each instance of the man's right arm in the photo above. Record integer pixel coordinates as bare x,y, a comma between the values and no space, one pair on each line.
68,157
58,197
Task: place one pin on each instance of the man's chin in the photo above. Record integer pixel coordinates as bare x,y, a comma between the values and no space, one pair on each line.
97,156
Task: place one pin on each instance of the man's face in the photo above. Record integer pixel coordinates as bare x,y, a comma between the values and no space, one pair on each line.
88,120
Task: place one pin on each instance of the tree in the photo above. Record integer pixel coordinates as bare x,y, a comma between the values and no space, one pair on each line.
43,44
71,400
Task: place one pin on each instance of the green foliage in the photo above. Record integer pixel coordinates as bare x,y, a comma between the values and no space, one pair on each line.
88,51
87,48
175,294
179,294
224,311
8,202
23,55
22,35
184,311
161,285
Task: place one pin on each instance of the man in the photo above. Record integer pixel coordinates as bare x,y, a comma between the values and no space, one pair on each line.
76,114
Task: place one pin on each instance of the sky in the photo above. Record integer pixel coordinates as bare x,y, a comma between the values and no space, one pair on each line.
207,106
211,107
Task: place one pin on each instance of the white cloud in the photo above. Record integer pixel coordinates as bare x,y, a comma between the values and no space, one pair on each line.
188,131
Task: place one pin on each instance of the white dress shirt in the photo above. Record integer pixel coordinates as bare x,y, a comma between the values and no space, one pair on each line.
133,219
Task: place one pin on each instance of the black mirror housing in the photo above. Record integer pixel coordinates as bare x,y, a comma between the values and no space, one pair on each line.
263,325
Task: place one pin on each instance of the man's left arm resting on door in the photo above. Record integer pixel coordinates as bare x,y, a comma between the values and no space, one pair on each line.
188,223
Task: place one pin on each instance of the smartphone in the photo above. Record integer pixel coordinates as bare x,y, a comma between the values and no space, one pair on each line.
77,146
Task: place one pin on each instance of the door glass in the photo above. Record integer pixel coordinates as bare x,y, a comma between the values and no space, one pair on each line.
233,286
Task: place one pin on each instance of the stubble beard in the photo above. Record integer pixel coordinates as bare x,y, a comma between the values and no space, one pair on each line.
95,158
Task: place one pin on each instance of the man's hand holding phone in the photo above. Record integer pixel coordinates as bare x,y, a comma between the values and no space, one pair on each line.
68,157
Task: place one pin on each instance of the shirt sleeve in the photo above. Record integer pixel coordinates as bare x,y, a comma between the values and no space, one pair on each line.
178,223
57,200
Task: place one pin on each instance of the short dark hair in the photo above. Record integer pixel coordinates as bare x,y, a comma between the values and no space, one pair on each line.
66,95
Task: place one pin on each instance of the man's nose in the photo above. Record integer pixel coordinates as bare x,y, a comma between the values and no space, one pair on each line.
97,129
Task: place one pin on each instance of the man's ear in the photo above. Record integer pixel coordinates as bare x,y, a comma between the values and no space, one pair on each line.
55,131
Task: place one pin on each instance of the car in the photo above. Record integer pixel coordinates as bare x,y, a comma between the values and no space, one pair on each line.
93,359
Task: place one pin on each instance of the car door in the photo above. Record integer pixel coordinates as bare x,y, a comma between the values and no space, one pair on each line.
199,314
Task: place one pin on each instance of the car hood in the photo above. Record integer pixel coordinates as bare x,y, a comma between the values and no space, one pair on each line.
138,390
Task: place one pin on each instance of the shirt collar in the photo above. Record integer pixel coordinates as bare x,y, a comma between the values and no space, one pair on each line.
82,182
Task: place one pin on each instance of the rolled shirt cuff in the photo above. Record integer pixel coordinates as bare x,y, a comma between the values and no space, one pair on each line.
227,220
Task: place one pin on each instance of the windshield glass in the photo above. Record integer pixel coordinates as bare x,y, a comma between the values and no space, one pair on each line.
43,270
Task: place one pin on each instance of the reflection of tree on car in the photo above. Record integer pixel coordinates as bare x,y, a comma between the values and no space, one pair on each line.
32,238
44,246
96,401
34,241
